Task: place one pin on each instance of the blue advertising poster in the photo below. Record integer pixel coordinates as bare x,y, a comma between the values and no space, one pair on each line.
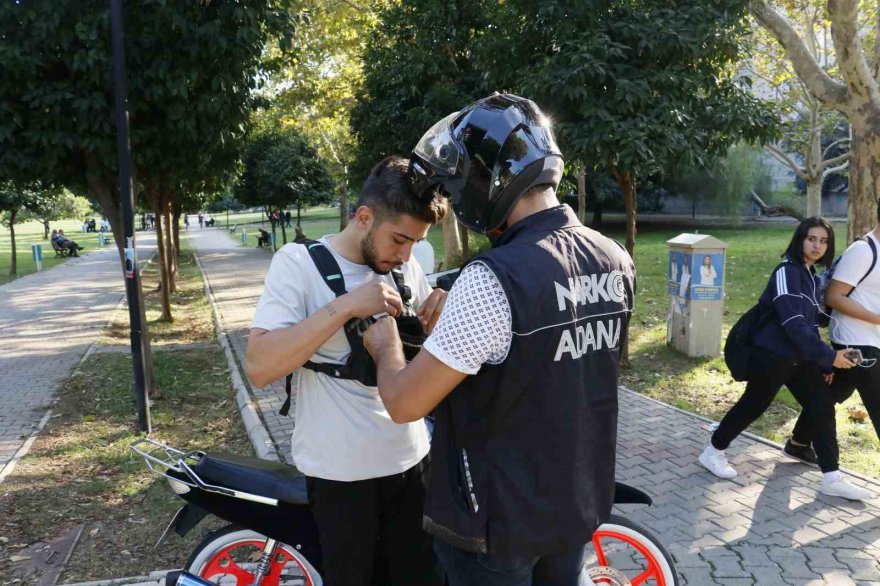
679,273
699,277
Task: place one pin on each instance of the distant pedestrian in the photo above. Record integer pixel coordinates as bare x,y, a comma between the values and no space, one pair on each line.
789,351
201,221
185,223
287,217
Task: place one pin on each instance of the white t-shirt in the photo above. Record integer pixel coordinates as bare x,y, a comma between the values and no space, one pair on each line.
342,430
852,267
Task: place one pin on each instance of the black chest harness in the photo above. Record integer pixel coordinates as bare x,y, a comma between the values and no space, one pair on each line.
360,365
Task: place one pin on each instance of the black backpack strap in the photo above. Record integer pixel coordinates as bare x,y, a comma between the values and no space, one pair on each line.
327,266
873,260
402,287
332,275
285,408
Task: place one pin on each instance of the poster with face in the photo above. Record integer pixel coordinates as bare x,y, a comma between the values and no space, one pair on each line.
679,273
708,276
695,276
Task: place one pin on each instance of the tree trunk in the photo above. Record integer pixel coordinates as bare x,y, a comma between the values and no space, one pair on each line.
175,232
582,196
13,268
102,189
465,243
343,205
284,229
170,253
627,182
451,241
298,215
864,180
814,197
596,223
45,229
164,283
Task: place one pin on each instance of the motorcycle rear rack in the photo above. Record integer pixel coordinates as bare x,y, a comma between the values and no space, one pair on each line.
162,459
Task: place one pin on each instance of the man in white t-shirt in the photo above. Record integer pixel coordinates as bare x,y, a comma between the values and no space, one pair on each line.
364,472
854,295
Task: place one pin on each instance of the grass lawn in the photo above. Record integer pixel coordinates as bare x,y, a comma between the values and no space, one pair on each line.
703,385
79,470
189,307
32,233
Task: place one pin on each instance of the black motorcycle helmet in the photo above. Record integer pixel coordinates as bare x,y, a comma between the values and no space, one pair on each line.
486,157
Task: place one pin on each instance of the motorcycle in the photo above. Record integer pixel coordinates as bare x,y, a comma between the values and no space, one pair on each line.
272,539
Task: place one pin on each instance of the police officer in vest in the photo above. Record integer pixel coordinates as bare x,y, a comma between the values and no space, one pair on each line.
521,369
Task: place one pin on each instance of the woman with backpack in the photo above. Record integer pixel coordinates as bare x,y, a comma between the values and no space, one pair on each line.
789,351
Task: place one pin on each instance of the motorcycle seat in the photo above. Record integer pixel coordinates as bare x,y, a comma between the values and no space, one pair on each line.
253,475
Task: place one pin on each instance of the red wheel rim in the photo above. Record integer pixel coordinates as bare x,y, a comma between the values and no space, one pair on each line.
222,564
654,566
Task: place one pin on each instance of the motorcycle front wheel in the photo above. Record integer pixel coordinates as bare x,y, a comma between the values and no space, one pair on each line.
624,553
229,556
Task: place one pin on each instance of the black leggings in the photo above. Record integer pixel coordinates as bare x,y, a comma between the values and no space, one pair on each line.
804,380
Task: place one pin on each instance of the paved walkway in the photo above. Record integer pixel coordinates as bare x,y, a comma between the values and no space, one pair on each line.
768,527
47,322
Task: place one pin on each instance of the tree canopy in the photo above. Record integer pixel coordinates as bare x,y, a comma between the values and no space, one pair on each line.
282,169
420,65
192,70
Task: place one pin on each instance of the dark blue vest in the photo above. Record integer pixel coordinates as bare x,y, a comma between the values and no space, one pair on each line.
522,456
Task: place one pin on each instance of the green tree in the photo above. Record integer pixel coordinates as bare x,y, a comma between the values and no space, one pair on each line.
419,66
852,90
634,87
314,92
58,205
282,169
193,69
815,137
15,201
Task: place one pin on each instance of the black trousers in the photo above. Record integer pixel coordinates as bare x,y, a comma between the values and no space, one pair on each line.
805,381
866,380
380,519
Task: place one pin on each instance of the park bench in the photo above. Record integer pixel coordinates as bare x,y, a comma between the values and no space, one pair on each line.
233,227
58,250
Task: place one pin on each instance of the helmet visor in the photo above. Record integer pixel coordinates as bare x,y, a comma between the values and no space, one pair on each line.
438,149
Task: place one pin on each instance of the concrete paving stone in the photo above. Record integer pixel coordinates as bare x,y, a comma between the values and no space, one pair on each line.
831,576
795,568
687,558
753,556
728,567
700,577
822,557
766,575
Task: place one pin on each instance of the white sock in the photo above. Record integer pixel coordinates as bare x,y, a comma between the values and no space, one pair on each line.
829,477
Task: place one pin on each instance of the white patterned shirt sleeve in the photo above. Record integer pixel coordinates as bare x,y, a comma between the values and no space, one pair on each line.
475,327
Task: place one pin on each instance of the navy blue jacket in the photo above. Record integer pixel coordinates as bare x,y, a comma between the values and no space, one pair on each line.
789,328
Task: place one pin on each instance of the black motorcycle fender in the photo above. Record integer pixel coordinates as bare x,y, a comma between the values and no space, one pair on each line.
190,516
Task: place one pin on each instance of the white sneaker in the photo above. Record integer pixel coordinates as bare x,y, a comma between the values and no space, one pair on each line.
716,463
842,488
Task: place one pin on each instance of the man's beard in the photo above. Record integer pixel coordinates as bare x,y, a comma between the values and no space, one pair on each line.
371,256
